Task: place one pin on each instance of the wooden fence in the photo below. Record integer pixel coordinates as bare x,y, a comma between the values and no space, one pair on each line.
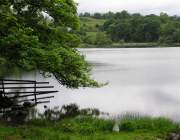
16,94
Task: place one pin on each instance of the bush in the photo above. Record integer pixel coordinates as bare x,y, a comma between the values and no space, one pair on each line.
90,38
127,126
102,39
67,111
68,126
97,38
84,125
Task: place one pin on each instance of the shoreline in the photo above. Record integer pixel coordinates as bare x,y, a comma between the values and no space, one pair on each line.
132,45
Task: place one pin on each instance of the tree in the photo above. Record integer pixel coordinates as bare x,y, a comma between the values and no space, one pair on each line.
167,33
86,14
164,17
90,38
176,36
97,15
102,39
107,24
120,31
133,27
151,29
109,15
137,34
40,35
122,15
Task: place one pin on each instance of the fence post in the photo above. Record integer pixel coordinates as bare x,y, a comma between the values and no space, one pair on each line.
3,86
35,92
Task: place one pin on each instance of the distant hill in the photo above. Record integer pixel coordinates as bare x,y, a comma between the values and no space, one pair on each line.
91,24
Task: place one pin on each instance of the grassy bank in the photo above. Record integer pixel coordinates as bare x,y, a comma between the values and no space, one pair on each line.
88,128
131,45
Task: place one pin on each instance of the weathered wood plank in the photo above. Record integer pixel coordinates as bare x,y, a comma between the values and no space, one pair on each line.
26,92
9,83
27,87
22,96
49,97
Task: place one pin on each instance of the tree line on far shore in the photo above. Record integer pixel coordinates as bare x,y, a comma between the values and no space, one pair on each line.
125,27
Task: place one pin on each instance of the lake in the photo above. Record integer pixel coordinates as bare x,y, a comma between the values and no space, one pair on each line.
144,80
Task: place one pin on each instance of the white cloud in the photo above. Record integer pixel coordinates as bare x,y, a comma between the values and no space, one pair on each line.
141,6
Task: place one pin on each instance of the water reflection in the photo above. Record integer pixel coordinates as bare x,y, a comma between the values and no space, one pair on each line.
140,80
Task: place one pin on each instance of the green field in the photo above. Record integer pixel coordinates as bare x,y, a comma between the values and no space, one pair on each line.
91,24
88,128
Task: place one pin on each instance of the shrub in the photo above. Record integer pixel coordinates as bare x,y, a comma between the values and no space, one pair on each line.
90,38
102,39
84,125
68,111
127,126
68,126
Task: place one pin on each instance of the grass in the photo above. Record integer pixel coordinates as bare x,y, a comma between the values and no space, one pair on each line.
88,128
91,33
146,124
124,45
134,45
91,23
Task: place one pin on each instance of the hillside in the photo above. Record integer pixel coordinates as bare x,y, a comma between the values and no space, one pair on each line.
123,29
91,24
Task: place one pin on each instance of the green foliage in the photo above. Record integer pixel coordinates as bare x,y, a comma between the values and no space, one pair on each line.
170,33
90,38
42,36
97,38
85,125
40,123
102,39
131,28
97,15
176,35
88,128
127,126
120,31
91,24
67,126
66,111
161,125
134,27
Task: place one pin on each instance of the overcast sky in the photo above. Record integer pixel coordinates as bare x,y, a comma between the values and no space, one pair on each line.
171,7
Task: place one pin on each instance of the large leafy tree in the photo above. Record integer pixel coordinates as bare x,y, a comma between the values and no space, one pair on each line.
40,35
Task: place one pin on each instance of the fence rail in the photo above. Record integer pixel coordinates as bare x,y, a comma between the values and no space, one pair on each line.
15,92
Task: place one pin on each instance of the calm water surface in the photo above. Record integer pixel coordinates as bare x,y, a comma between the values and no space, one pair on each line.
140,80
